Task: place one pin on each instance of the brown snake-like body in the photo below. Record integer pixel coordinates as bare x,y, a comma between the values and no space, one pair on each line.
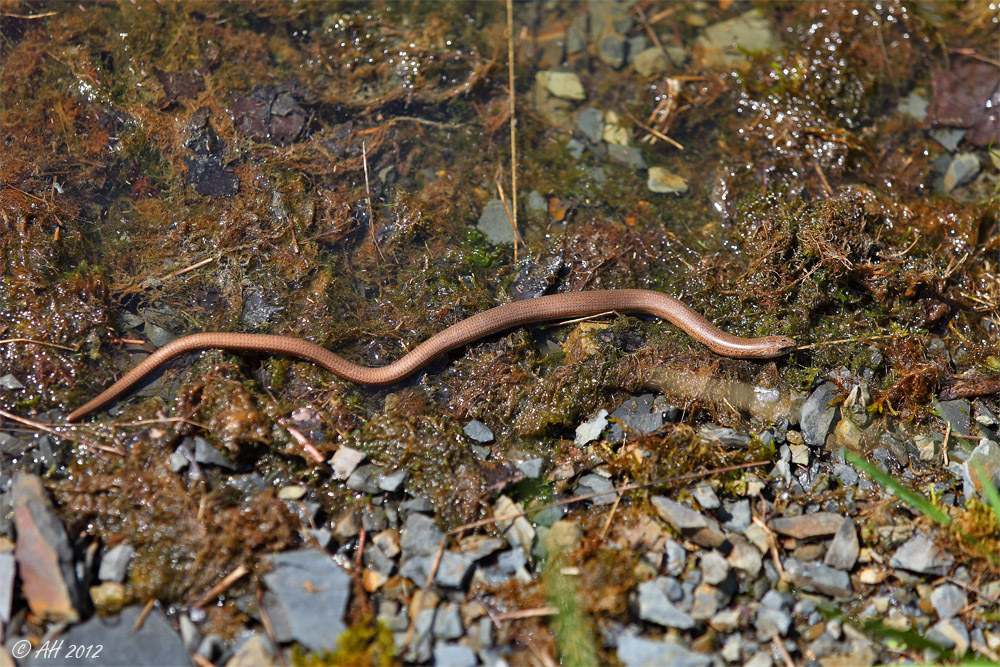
494,320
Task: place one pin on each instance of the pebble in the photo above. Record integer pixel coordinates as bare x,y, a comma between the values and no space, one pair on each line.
8,570
590,123
676,557
10,382
293,492
817,415
639,652
154,642
591,429
344,461
808,525
206,454
114,564
948,600
43,553
420,536
951,634
663,181
392,482
516,529
844,549
476,429
847,434
958,413
495,223
650,62
745,557
817,578
738,516
961,170
308,594
627,156
564,85
454,655
987,456
714,568
948,137
364,479
731,42
693,525
914,105
771,623
564,536
594,484
705,495
655,605
531,468
920,554
727,437
760,659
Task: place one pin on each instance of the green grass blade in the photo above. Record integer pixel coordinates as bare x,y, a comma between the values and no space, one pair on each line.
991,491
912,498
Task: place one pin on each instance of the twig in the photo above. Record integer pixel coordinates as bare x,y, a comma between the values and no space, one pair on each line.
222,586
772,545
843,340
424,121
944,444
143,614
48,429
303,442
783,650
38,342
656,133
510,218
194,266
419,596
371,219
28,17
611,514
526,613
513,142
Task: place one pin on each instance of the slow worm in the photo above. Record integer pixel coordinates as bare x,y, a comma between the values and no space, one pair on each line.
494,320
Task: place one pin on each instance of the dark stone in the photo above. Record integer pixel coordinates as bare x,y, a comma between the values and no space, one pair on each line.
420,536
844,548
920,554
808,525
817,578
594,484
655,605
270,113
693,525
817,414
478,431
205,168
638,652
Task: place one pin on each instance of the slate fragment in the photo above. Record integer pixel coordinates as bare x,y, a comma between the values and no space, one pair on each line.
206,172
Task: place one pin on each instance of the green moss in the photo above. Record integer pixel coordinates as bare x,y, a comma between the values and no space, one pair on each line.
366,642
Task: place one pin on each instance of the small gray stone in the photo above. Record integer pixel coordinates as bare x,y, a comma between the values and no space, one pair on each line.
844,548
847,475
693,525
745,557
532,468
477,547
454,655
590,123
364,479
190,634
663,181
739,516
676,557
638,652
114,564
706,601
612,47
574,148
914,105
495,223
817,578
8,568
594,484
958,413
177,461
322,536
10,382
309,594
576,34
726,621
650,62
420,536
448,622
951,634
714,568
628,156
705,495
453,570
655,605
948,600
393,481
962,169
344,461
771,623
817,414
948,137
727,437
206,454
536,202
920,554
478,431
564,85
591,429
808,525
728,43
153,642
760,659
987,456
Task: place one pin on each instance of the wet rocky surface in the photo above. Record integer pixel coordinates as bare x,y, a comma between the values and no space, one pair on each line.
595,492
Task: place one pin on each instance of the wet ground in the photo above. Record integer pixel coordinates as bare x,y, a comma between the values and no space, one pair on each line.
343,173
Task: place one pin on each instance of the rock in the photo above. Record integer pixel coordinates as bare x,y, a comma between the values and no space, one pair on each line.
344,461
363,480
928,449
611,47
293,492
206,454
958,413
951,634
745,557
650,62
655,605
564,85
453,571
948,600
808,525
591,429
706,600
8,570
847,434
728,43
627,156
154,643
771,623
962,169
516,529
114,564
477,547
693,525
43,554
8,381
590,123
817,578
476,429
308,596
662,181
799,454
190,634
726,621
638,652
914,105
676,557
844,548
531,468
759,659
920,554
496,224
728,437
948,137
714,568
738,516
817,414
254,652
637,416
420,536
454,655
392,482
987,456
595,484
705,495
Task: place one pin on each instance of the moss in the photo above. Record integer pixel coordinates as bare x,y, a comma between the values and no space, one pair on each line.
366,642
